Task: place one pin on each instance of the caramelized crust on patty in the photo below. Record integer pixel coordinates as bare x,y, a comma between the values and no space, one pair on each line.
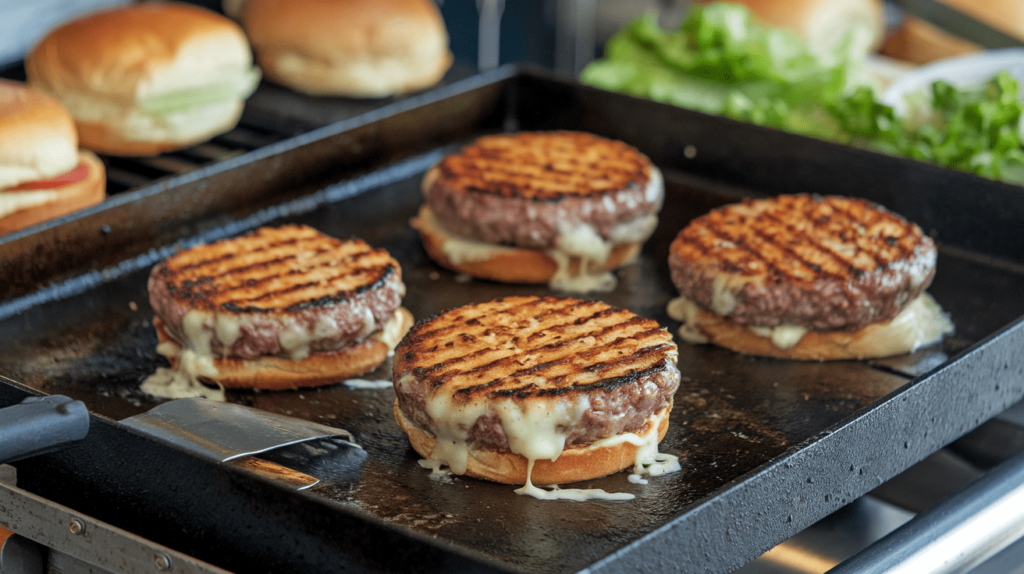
818,262
524,189
276,281
617,367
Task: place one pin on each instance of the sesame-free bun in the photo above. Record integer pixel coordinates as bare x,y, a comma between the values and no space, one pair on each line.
823,23
37,135
921,42
64,200
922,323
129,75
355,48
504,263
318,369
575,464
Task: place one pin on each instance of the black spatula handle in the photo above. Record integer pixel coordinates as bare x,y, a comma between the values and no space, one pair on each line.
39,424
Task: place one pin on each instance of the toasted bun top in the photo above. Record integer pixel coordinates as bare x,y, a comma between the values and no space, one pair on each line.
37,135
334,29
288,268
138,50
543,166
532,348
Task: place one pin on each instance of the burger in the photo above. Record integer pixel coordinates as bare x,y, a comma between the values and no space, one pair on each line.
562,208
806,277
43,175
148,77
537,390
279,308
355,48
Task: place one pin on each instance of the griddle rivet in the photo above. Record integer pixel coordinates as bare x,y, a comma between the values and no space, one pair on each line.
76,526
163,561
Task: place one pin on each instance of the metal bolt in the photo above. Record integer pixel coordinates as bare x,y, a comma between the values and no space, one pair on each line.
76,526
163,561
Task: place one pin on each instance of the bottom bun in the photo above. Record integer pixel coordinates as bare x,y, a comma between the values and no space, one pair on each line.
118,135
353,75
318,369
921,323
507,264
575,464
69,198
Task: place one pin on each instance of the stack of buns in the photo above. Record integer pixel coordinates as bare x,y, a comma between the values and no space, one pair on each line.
146,78
43,175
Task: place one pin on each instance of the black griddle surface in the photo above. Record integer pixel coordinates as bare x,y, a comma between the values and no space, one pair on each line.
767,446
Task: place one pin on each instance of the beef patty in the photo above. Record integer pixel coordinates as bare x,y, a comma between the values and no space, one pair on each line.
604,370
818,262
525,189
286,291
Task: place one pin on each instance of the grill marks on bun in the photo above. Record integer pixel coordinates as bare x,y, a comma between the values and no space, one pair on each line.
545,166
535,348
288,268
800,238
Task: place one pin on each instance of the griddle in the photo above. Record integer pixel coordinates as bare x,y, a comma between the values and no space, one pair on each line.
767,447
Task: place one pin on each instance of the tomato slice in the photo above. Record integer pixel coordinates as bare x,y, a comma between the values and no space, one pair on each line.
76,175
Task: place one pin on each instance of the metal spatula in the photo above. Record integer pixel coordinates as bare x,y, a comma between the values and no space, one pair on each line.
226,432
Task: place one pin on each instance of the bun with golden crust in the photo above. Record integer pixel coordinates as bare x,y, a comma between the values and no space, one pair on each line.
508,264
575,464
921,42
325,368
42,174
67,199
147,77
351,48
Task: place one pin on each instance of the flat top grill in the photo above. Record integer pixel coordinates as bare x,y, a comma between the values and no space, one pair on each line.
767,446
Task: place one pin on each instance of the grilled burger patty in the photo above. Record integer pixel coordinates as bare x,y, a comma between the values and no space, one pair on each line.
817,262
527,189
599,371
287,291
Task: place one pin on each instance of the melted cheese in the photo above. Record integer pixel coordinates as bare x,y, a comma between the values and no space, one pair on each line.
536,430
182,382
365,384
920,323
686,311
13,201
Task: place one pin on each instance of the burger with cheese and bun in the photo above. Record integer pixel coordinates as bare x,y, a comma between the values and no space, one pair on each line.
279,308
537,390
147,77
562,208
43,175
355,48
806,277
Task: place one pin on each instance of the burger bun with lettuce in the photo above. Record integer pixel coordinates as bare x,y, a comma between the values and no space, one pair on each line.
146,78
43,175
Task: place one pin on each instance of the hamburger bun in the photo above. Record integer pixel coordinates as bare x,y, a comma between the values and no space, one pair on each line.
806,277
42,174
355,48
146,78
281,373
562,208
575,464
921,42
